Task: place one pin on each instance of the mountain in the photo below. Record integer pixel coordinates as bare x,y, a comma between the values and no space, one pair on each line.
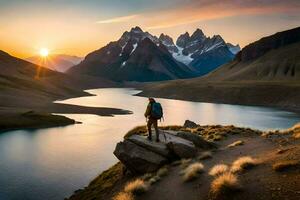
56,62
140,56
136,56
265,72
272,58
201,52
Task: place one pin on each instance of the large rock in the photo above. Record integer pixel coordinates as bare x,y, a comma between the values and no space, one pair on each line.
190,124
137,159
197,140
179,146
156,147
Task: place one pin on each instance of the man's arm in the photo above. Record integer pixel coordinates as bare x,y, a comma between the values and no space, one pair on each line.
148,110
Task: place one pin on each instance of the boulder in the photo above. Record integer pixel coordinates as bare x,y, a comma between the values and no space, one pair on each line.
197,140
137,159
190,124
179,146
156,147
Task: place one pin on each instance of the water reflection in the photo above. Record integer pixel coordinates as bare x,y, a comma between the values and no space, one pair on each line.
52,163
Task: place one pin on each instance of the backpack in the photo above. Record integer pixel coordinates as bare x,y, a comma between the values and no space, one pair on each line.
156,111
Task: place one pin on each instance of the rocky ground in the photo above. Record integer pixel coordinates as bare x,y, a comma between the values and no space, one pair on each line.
202,162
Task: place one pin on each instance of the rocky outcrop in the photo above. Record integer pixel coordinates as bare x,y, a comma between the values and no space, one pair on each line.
190,124
137,159
141,155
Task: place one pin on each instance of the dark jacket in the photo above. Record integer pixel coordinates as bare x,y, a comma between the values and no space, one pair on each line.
148,110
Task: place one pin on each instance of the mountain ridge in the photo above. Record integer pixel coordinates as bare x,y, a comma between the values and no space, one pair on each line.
111,60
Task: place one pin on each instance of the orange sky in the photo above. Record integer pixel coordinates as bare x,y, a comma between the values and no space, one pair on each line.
80,27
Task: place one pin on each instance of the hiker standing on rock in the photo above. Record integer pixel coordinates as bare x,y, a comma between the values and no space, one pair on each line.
153,113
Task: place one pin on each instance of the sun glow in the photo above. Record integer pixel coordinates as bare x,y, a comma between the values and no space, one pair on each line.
44,52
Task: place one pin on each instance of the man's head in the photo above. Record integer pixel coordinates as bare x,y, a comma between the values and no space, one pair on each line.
151,100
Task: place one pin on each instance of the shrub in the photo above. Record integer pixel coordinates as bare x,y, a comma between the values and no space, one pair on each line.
236,143
192,171
285,165
123,196
224,185
136,187
218,170
243,163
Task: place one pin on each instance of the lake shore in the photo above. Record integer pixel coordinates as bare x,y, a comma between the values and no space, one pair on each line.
281,95
268,149
14,102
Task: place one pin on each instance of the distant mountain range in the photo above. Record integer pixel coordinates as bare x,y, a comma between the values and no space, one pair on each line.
140,56
265,72
56,62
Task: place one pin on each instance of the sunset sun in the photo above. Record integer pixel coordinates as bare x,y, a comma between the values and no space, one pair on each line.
44,52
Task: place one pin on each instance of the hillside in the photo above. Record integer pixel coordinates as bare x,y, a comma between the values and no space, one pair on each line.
26,87
229,163
266,72
56,62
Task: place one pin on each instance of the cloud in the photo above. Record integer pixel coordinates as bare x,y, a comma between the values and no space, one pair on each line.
117,19
202,10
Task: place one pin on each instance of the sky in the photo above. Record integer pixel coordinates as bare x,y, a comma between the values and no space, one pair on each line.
77,27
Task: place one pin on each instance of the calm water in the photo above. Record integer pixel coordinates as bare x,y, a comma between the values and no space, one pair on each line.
52,163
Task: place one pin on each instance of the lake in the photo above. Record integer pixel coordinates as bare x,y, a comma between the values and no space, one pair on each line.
52,163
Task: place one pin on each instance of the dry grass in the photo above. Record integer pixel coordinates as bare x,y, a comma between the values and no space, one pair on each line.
192,171
224,185
147,176
123,196
139,130
163,171
236,143
296,135
243,163
293,132
285,165
136,187
218,170
154,179
185,162
205,155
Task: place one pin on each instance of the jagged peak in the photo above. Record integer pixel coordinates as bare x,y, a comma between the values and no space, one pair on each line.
198,32
165,38
136,29
218,38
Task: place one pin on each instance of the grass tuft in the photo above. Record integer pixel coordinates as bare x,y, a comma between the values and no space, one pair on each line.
163,171
192,171
224,185
218,170
236,143
243,163
285,165
139,130
123,196
185,162
136,187
205,155
154,179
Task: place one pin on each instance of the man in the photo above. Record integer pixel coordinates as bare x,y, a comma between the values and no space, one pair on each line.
153,113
